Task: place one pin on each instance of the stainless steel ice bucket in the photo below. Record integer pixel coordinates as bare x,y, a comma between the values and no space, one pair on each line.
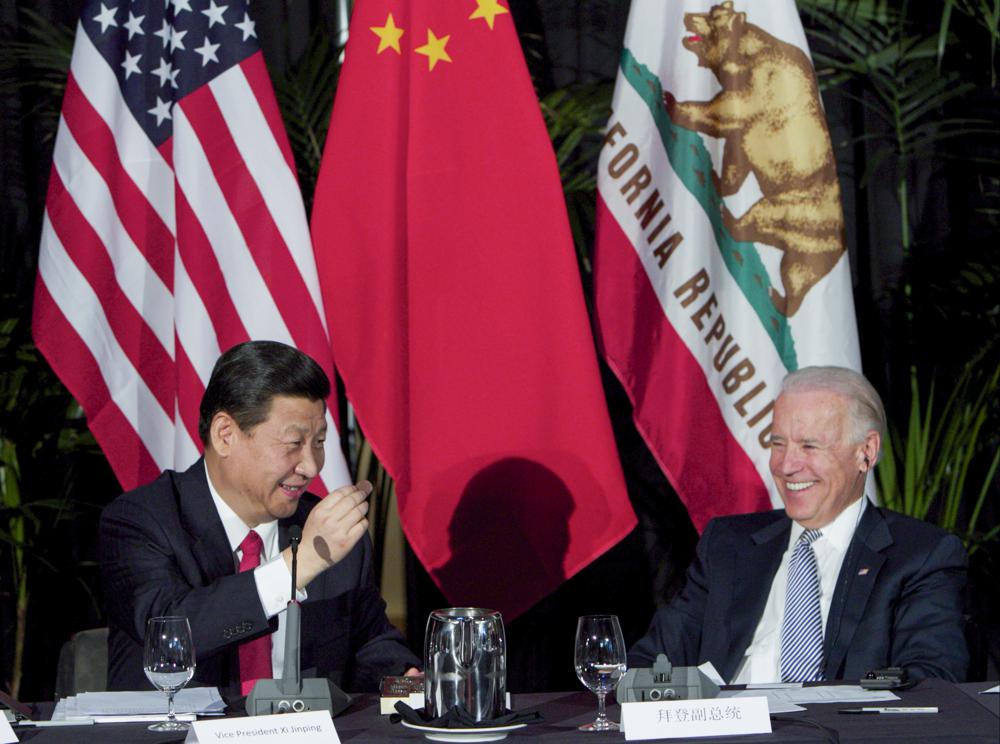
465,662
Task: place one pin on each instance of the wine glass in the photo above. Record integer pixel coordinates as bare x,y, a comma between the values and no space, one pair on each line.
600,662
168,658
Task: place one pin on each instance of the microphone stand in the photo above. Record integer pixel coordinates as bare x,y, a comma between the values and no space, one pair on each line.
291,693
291,673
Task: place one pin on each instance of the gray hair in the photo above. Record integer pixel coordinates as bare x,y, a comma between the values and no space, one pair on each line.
866,412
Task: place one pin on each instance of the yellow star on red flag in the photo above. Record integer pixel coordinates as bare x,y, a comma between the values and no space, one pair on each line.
434,49
488,10
388,35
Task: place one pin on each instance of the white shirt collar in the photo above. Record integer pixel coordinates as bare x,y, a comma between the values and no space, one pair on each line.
236,529
840,531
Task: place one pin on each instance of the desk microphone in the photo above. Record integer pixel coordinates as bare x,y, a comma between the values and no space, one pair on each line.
291,693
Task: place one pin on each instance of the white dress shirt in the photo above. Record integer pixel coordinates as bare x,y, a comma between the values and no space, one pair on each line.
762,662
274,580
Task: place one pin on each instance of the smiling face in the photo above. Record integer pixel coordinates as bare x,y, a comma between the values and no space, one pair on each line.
261,473
818,470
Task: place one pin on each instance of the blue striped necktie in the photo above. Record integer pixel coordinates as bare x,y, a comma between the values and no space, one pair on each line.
802,629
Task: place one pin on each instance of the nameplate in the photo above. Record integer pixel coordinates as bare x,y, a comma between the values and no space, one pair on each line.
675,719
7,735
314,727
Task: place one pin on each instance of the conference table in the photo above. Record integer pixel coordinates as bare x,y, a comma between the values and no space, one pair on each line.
964,716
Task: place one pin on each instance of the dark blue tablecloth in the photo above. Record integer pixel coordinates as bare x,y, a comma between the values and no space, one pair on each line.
964,717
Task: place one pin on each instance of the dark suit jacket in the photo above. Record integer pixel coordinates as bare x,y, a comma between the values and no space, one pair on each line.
898,599
164,552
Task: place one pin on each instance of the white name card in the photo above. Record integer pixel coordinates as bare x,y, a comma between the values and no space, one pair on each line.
7,735
314,727
675,719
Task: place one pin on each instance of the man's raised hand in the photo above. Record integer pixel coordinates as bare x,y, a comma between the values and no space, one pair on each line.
332,529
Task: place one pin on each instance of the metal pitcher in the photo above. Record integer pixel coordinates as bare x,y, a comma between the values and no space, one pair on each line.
465,662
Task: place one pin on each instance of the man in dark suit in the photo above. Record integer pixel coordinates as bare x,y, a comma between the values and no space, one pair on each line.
832,586
212,543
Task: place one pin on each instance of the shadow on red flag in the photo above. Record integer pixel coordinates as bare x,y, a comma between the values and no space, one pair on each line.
455,306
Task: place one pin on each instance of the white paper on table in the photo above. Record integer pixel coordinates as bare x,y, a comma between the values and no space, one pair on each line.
992,690
196,700
87,720
59,712
822,694
773,704
143,718
709,670
189,700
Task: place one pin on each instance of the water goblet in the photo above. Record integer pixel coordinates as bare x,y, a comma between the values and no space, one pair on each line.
600,662
169,660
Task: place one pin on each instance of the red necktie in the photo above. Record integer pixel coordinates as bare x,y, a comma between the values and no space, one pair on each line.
255,655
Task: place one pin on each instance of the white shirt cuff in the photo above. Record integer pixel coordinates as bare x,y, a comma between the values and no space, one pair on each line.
274,586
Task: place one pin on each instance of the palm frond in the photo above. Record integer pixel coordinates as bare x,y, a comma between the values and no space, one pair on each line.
925,473
984,13
575,117
37,60
44,48
305,96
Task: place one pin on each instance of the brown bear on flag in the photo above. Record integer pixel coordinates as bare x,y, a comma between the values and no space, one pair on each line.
770,116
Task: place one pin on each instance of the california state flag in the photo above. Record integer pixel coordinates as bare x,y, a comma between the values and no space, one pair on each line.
720,259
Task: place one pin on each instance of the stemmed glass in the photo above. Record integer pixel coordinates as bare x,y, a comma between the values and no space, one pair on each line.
168,658
600,662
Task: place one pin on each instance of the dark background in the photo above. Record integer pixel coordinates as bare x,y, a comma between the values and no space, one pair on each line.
924,311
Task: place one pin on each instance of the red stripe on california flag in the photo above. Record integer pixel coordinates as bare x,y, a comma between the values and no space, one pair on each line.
255,72
135,337
73,362
203,268
139,219
673,406
189,392
258,228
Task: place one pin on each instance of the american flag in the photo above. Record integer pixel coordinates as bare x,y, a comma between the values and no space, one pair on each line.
174,226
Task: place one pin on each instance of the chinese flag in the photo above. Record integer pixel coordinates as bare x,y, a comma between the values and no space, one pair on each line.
455,307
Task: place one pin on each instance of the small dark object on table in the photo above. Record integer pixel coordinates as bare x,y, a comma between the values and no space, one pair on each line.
459,718
401,686
890,678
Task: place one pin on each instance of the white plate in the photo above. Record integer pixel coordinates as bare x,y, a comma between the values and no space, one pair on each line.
469,735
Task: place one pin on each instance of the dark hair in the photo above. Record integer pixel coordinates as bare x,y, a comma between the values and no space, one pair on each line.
249,375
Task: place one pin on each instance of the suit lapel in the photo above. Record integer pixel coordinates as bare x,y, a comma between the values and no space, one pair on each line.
857,578
752,578
210,546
